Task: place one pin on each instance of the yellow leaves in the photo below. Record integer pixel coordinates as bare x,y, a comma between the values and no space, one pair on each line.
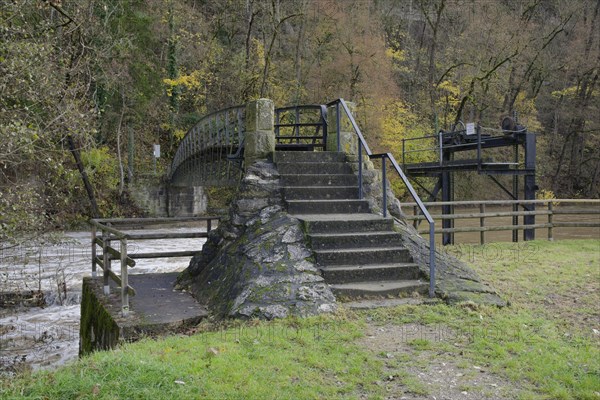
179,134
395,55
566,92
193,80
527,112
450,88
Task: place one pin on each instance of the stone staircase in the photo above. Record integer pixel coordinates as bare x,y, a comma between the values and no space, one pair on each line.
358,252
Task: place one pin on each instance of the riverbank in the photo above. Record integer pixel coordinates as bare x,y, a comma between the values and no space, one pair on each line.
46,337
545,345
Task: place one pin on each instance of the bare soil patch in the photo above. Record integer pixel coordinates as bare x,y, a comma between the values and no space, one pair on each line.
413,370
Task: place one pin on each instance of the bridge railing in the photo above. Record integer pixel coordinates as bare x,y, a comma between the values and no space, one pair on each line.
111,230
208,145
341,105
301,126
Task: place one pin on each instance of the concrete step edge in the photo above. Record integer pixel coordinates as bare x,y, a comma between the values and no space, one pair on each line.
361,250
341,268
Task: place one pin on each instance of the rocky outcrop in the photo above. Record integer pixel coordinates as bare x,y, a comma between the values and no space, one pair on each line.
455,281
257,263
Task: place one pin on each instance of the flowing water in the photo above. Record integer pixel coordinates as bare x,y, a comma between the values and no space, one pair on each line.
48,336
45,337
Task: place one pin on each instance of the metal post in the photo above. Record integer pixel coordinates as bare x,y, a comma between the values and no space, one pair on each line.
208,225
337,123
384,186
482,224
432,259
447,196
124,279
360,177
550,221
440,138
515,190
529,184
94,274
403,153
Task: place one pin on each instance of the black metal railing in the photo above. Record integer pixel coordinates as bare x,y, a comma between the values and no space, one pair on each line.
207,148
340,105
301,127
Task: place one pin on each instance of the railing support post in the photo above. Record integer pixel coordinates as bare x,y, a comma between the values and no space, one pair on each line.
360,172
124,279
431,259
338,120
403,153
482,224
550,221
106,259
94,273
260,133
384,187
440,138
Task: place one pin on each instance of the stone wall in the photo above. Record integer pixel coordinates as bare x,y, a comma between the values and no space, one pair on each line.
158,199
257,262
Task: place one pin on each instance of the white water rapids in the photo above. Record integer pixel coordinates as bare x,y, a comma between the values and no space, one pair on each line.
45,337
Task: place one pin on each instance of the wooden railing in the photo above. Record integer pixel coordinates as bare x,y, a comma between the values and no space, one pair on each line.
549,209
111,230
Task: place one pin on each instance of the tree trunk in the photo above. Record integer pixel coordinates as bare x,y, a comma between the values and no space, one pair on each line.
86,181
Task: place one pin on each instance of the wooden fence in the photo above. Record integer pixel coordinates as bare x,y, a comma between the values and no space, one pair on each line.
549,208
112,231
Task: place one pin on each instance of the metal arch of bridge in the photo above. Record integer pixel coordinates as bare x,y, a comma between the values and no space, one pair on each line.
205,154
211,153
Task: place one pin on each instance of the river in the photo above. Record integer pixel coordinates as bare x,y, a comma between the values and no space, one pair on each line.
46,337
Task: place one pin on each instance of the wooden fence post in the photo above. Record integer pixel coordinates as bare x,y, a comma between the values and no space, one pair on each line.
124,279
482,224
94,273
550,221
106,258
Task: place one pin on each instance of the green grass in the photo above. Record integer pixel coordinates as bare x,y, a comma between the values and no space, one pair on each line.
544,343
308,358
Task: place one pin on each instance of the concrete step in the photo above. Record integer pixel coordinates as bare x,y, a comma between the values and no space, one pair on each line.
308,156
328,207
340,223
326,241
402,288
377,272
320,192
362,256
317,168
319,180
371,304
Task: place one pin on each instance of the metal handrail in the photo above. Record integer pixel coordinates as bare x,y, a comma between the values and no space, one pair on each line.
363,145
321,124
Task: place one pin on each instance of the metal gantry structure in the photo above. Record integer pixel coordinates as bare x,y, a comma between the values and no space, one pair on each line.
474,142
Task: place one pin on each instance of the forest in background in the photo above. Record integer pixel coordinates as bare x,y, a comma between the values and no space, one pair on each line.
86,87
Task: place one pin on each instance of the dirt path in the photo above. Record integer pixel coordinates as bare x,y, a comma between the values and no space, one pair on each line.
412,370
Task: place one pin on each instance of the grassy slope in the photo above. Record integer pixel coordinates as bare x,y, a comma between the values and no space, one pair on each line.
545,342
